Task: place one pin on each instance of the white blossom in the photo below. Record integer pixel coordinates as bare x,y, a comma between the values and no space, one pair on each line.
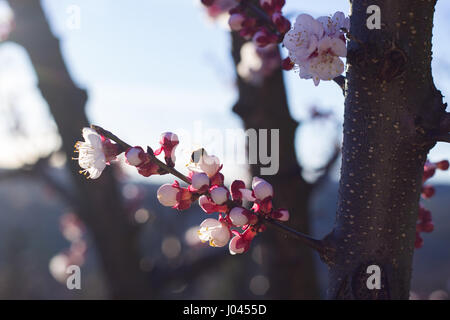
333,25
219,195
208,164
237,216
215,232
316,45
199,179
261,188
326,64
90,154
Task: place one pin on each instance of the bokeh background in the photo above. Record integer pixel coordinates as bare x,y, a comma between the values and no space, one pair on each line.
155,66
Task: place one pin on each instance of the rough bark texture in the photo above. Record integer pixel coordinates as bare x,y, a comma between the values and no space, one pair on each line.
99,205
291,267
391,108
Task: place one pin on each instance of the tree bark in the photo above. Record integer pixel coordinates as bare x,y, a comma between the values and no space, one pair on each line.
392,109
266,107
99,205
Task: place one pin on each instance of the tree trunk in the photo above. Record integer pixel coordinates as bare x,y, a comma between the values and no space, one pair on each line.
266,107
99,205
391,109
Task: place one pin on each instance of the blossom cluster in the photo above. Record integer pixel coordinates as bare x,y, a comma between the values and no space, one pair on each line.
424,221
236,225
207,187
316,45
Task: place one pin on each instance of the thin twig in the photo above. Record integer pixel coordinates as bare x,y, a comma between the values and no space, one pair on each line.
340,80
307,240
126,146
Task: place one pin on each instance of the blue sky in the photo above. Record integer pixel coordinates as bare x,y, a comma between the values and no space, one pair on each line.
154,66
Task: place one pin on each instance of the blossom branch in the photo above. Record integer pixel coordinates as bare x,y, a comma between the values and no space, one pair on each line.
150,153
305,239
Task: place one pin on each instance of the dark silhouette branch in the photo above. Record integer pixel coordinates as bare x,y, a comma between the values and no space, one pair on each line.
99,205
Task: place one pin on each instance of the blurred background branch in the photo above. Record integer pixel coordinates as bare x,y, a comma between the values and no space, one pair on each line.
99,206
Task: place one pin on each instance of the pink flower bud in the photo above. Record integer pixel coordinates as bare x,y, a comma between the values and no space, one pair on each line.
442,165
168,141
428,192
235,186
209,206
199,180
238,216
236,20
167,195
184,197
261,188
219,194
216,232
135,156
240,243
239,193
265,206
217,179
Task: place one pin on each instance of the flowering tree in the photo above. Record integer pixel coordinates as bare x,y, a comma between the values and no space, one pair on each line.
393,117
